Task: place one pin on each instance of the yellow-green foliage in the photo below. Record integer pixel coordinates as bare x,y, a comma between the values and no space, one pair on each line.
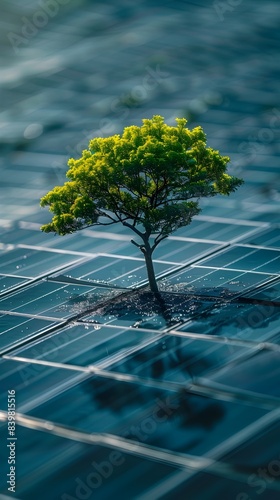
150,178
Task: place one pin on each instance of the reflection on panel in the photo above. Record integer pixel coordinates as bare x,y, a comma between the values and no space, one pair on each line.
179,360
200,279
116,271
54,300
176,421
259,374
85,344
71,469
127,394
16,329
28,262
33,383
9,282
247,259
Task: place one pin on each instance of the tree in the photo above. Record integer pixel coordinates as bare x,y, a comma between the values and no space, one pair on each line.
149,179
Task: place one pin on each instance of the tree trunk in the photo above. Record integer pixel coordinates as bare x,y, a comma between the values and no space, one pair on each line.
163,309
150,270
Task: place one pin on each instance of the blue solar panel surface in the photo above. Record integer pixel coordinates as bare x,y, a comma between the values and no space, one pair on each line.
119,394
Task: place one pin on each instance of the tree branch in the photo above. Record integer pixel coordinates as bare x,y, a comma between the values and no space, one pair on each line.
104,223
167,202
136,244
126,224
158,239
105,214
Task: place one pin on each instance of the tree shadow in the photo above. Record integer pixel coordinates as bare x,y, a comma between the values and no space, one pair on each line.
140,307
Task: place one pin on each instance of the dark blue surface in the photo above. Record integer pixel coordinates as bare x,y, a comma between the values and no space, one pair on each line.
119,394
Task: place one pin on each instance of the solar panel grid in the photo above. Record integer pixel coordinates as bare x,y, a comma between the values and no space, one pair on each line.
171,400
118,362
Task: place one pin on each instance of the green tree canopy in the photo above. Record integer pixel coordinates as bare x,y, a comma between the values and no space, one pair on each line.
150,179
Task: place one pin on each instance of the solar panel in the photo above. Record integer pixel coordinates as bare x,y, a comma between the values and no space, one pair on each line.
120,393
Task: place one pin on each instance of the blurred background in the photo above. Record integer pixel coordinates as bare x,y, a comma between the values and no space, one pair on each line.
76,69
